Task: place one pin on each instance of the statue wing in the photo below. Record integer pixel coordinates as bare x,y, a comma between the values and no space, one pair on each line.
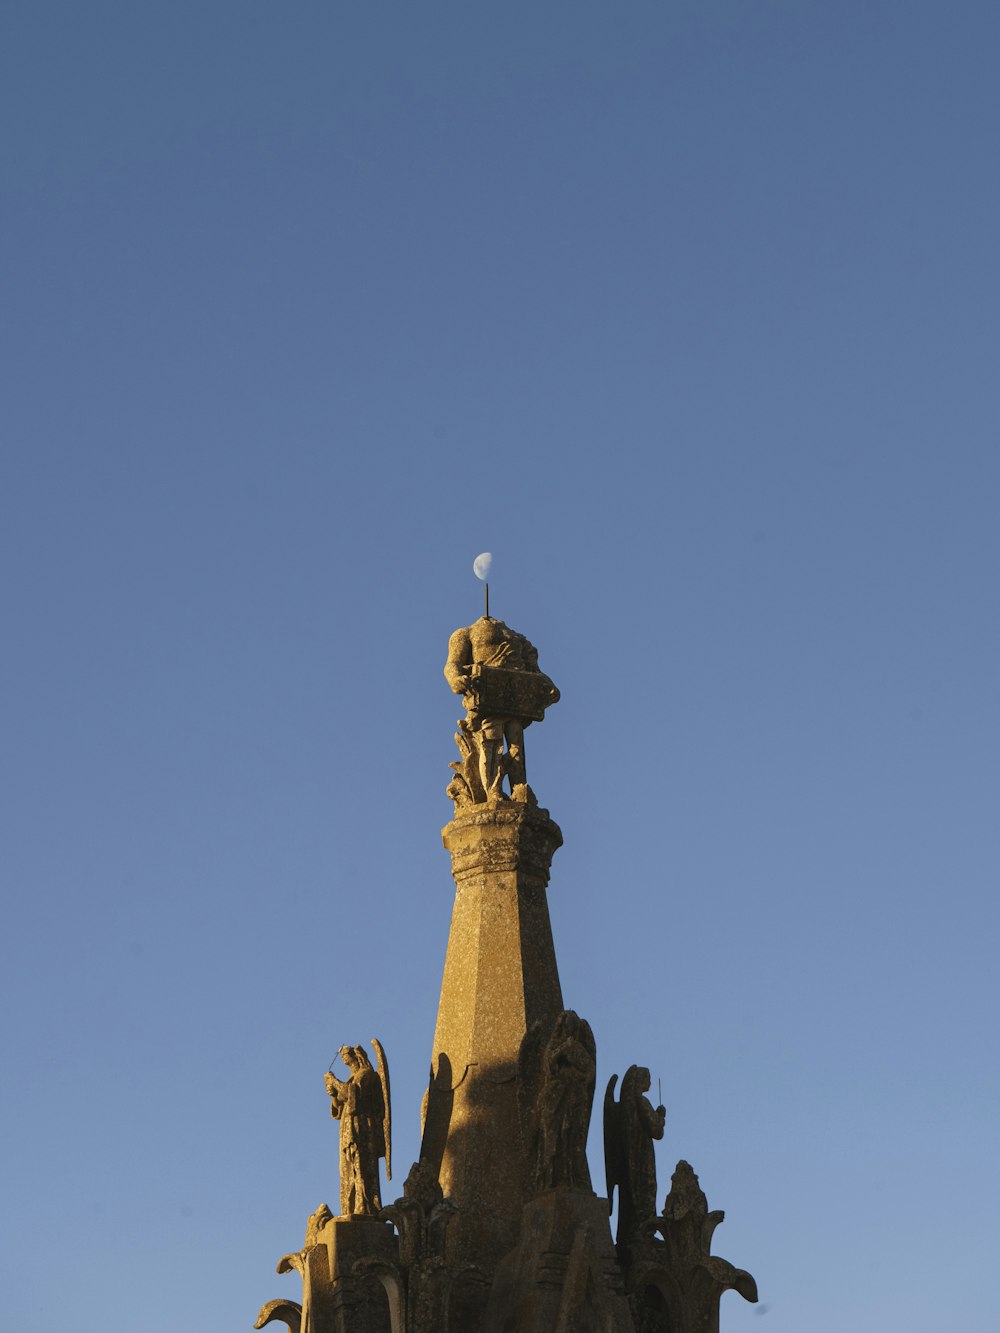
383,1078
529,1062
612,1140
590,1045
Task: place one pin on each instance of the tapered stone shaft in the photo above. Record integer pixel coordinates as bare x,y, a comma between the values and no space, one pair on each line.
500,976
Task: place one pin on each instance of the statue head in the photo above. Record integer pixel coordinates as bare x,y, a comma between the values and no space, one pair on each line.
635,1082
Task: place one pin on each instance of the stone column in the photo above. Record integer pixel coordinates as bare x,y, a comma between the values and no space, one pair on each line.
500,976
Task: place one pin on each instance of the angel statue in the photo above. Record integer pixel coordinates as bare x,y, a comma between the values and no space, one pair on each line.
555,1095
361,1104
630,1126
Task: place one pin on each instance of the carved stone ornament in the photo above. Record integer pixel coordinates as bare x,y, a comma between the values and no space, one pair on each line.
677,1282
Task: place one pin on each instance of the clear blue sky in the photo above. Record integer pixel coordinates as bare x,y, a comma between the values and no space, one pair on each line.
689,312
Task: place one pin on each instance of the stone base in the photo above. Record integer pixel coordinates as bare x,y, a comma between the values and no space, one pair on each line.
348,1278
349,1240
563,1275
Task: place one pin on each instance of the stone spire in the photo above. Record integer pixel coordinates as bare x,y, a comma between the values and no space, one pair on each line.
500,973
499,1228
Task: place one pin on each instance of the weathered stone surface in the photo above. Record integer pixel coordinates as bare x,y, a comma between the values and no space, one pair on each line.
505,838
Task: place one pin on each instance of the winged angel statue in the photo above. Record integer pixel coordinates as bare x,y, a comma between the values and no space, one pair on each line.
361,1104
630,1126
555,1089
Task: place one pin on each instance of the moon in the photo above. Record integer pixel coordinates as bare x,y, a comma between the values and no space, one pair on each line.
482,564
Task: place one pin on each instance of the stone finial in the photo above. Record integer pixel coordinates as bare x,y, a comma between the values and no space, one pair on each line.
679,1276
495,670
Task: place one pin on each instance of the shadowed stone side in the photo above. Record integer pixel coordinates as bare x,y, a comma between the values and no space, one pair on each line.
563,1277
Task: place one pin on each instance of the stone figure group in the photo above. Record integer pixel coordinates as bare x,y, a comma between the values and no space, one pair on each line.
361,1104
495,669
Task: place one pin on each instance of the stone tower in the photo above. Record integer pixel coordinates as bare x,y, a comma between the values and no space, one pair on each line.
499,1229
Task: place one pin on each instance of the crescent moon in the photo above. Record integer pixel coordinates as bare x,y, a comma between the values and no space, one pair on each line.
482,564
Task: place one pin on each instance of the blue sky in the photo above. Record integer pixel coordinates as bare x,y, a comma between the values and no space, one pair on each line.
688,312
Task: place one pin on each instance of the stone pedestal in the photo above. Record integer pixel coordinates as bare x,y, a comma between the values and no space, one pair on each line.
353,1240
348,1278
500,976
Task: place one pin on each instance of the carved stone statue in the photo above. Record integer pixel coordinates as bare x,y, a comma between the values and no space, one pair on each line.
630,1126
555,1093
495,669
361,1104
